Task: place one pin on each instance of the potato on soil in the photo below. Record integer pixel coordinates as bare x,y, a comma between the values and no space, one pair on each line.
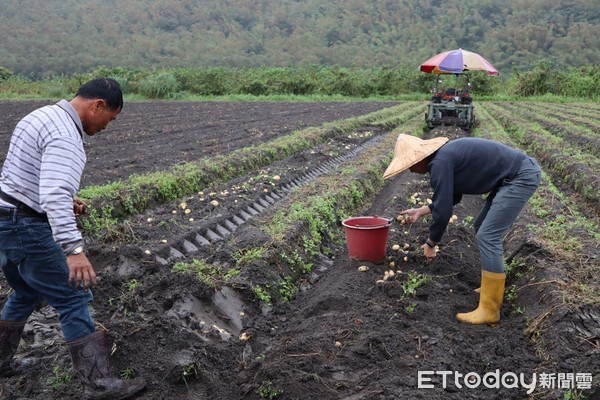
403,219
363,268
244,337
388,275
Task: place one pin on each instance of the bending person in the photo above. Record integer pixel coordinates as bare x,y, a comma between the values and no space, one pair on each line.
471,166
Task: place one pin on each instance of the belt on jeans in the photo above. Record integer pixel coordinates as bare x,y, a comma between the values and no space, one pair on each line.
21,209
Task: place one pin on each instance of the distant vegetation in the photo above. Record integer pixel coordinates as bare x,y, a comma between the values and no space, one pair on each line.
310,81
61,37
186,49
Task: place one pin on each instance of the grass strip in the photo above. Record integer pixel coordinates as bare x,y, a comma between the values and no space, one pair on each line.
575,112
576,169
563,230
110,204
572,131
309,221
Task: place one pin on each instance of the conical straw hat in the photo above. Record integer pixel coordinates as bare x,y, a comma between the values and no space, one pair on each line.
410,150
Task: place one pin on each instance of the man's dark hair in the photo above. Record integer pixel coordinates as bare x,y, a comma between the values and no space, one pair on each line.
106,89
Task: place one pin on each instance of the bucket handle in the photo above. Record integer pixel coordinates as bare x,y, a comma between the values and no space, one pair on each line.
389,220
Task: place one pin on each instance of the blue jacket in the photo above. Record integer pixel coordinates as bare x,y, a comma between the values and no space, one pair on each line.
467,166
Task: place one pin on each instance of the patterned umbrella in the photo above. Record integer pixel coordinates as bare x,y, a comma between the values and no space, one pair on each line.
457,61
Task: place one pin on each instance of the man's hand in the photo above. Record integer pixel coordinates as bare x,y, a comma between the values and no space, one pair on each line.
429,252
81,272
412,215
78,207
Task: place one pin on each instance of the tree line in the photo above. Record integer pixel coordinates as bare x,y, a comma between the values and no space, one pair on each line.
55,37
383,81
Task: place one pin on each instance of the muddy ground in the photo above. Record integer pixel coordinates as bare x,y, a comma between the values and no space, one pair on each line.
344,335
148,137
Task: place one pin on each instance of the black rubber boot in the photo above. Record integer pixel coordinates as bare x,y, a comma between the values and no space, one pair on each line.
90,361
10,336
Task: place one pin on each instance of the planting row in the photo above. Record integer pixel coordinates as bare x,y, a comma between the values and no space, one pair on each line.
587,118
573,108
299,204
565,161
286,214
563,228
568,128
199,226
119,200
150,137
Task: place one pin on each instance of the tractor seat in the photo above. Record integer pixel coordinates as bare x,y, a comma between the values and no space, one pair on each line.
451,92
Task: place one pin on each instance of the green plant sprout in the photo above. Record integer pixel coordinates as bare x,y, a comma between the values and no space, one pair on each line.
267,391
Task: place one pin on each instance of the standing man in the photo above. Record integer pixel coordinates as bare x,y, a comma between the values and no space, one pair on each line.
41,249
471,166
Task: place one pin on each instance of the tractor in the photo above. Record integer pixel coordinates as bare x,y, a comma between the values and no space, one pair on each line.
451,104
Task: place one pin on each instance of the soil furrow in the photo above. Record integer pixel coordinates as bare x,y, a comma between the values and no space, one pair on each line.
587,120
556,124
557,156
132,141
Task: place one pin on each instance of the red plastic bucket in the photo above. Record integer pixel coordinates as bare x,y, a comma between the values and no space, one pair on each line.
367,238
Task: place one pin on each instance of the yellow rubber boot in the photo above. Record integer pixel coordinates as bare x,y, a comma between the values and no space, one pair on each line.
490,301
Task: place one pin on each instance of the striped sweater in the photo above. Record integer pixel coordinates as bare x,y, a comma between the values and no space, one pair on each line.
44,164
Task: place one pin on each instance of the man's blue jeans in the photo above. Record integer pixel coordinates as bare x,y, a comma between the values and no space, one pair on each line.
36,269
502,209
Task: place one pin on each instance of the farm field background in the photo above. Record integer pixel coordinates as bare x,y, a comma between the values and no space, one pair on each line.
216,231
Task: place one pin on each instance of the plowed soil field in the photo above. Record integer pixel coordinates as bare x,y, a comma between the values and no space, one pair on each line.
241,286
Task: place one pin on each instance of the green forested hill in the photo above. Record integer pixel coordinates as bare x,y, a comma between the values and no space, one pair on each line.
65,36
